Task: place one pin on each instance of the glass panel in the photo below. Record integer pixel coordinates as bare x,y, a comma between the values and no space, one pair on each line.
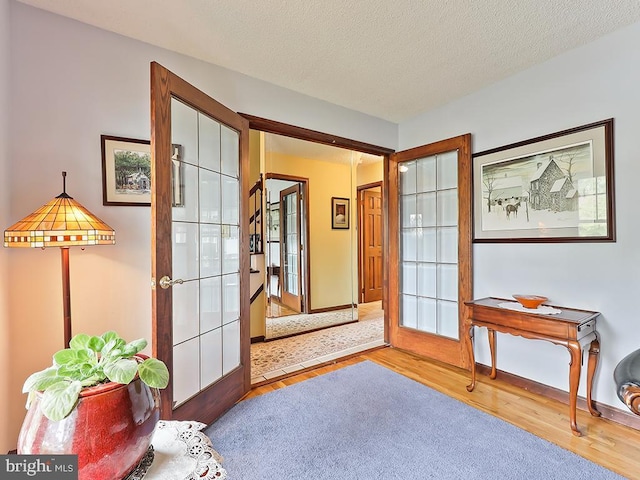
430,237
210,303
230,249
230,298
426,209
206,246
185,251
409,244
185,312
408,209
209,197
448,170
184,130
409,311
407,177
187,209
448,282
230,346
229,151
209,153
427,245
210,245
409,278
230,201
448,245
448,208
448,319
427,315
426,280
426,174
211,357
186,370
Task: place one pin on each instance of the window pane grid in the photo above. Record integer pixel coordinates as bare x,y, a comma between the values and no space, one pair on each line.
428,245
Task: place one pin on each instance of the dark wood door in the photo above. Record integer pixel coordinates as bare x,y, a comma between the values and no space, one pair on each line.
200,248
290,248
430,267
371,280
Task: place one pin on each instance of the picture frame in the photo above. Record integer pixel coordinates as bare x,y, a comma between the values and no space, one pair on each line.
554,188
126,171
340,213
273,222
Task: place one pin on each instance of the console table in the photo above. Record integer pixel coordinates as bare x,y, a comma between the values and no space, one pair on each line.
574,329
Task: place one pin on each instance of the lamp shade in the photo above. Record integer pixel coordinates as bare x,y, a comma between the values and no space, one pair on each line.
62,222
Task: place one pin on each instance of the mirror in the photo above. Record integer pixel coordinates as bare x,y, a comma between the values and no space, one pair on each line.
311,234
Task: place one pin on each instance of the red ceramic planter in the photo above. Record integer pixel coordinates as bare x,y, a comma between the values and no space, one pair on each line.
110,429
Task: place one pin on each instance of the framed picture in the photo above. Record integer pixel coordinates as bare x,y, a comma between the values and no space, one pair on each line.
126,171
555,188
339,213
273,222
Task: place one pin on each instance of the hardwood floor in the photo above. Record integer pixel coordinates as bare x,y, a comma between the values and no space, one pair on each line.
607,443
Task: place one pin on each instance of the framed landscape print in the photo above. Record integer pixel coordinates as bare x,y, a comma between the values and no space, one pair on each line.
554,188
126,171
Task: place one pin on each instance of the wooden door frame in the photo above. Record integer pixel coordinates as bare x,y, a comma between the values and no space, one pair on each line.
306,250
360,193
287,130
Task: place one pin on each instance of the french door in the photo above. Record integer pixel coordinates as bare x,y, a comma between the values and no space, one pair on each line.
430,266
200,252
290,242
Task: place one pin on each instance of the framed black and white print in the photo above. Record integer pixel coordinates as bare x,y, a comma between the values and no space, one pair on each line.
555,188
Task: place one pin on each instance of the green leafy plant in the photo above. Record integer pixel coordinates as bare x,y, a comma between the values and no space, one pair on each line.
89,361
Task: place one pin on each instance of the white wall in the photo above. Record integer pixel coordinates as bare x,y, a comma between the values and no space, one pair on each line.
589,84
6,441
70,83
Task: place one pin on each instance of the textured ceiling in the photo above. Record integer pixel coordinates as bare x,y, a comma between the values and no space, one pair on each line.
392,59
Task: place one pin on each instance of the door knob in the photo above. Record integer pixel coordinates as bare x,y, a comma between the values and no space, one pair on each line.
166,282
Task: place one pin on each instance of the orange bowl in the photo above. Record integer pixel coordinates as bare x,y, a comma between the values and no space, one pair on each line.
530,301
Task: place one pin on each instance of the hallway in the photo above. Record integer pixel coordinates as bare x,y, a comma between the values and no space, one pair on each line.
276,358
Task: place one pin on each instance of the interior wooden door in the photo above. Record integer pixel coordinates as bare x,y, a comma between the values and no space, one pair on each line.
290,251
371,245
200,251
430,265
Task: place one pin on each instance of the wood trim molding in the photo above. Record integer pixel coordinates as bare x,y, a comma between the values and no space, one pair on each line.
331,309
279,128
612,413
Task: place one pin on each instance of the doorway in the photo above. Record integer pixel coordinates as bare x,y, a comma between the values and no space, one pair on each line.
370,267
286,253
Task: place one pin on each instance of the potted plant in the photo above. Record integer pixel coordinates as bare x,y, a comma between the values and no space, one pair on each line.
98,400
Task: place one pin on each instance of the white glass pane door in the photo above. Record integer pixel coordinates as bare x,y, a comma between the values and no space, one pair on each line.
428,266
290,255
205,251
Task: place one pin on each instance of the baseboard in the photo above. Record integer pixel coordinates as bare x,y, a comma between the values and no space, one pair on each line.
257,293
257,339
331,309
612,413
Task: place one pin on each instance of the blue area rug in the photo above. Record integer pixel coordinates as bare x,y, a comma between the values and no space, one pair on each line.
367,422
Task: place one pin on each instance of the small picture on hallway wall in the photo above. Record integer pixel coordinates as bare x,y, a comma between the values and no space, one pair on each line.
554,188
339,213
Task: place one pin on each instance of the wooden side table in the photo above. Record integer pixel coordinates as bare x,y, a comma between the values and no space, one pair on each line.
574,329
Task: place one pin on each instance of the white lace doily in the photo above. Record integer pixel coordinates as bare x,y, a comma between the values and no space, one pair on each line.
542,309
183,452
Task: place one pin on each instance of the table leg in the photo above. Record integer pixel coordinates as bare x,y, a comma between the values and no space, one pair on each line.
574,380
472,357
594,354
492,349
